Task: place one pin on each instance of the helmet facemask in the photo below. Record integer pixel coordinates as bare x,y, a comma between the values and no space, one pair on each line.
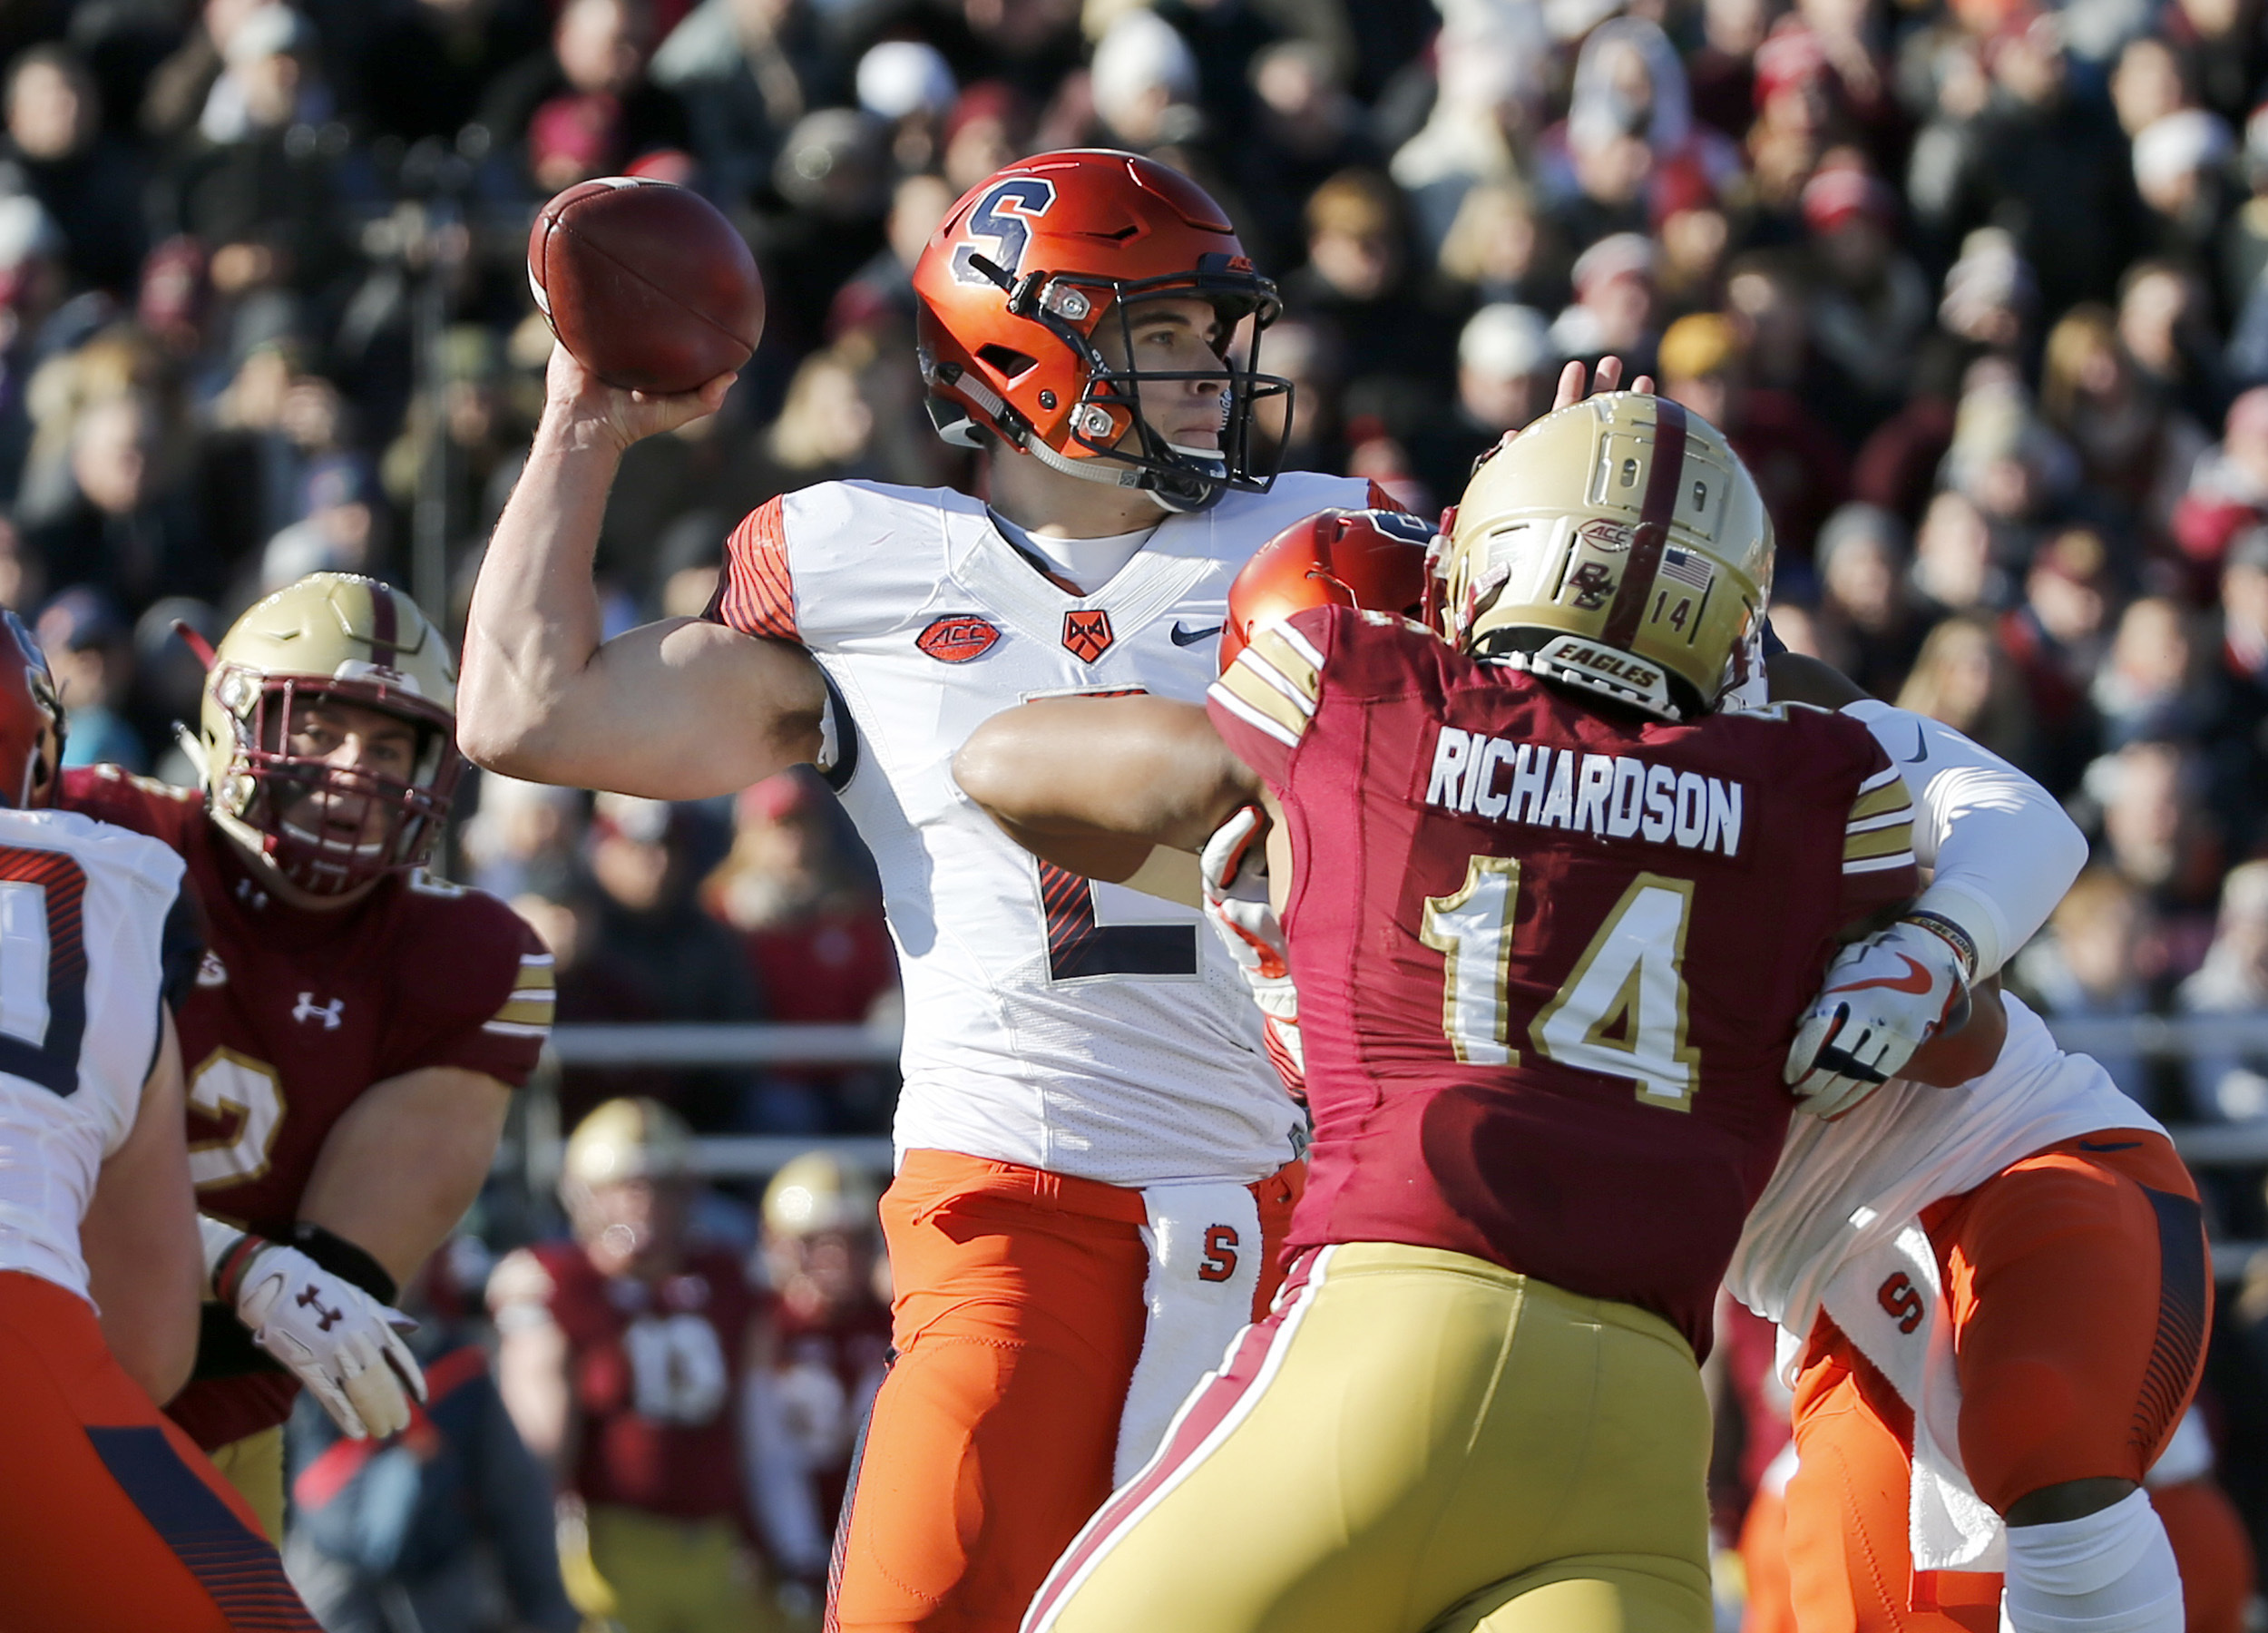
264,795
1074,308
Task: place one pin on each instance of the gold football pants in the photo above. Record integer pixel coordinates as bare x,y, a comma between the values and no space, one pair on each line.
254,1467
1414,1440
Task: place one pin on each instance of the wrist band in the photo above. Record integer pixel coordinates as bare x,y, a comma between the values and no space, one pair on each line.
1963,945
228,1274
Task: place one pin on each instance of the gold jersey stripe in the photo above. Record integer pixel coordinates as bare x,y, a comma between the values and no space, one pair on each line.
1249,689
1880,842
532,980
1873,802
1904,813
526,1012
1881,778
1270,648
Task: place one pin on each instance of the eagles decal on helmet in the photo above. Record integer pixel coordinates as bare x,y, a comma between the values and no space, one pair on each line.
1022,277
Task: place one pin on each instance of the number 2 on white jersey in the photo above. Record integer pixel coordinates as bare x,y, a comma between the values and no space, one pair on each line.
1621,1011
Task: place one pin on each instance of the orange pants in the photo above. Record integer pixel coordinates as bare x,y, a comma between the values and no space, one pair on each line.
2210,1548
110,1520
2079,1295
1017,1322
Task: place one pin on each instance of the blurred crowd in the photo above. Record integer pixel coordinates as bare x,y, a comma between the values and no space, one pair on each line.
1978,288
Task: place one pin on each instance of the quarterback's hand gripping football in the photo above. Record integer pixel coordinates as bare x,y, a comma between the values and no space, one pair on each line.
1883,998
1233,869
341,1342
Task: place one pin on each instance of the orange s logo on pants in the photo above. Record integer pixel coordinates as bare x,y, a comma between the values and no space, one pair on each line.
1220,1254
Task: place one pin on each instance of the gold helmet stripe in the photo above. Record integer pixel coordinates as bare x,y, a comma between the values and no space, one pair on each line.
1652,532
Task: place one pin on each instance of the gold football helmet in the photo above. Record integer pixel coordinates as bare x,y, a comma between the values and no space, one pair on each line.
1618,545
818,1193
338,636
623,1140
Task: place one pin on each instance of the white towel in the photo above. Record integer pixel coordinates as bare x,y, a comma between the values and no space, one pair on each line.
1204,1241
1903,1328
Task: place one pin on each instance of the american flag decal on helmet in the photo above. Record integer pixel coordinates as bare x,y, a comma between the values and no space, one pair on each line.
1688,568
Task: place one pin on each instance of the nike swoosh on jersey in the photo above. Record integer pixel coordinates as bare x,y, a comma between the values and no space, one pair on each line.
1918,980
1921,748
2110,1145
1182,637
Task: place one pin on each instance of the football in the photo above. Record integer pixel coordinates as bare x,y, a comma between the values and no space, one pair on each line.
646,283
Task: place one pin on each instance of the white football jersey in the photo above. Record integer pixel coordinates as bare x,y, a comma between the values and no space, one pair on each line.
1843,1187
1086,1029
82,907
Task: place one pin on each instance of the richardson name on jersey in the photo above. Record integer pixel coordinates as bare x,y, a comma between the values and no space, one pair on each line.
1612,796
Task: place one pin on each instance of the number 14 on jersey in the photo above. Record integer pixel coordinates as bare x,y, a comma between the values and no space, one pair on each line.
1621,1010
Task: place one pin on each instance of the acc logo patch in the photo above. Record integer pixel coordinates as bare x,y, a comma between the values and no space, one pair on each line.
1602,534
1087,635
957,639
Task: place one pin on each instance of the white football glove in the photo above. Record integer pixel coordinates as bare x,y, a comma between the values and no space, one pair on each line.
341,1342
1232,868
1882,999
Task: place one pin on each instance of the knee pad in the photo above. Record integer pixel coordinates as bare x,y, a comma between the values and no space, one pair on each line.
2110,1572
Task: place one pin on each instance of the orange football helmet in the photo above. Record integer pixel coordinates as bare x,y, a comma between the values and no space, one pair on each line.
1365,558
1018,281
31,719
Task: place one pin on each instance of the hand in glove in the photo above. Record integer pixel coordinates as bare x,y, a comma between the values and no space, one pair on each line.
1883,998
1234,870
341,1342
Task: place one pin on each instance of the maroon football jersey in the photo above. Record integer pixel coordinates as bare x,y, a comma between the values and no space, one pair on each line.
1551,952
295,1014
655,1372
850,1349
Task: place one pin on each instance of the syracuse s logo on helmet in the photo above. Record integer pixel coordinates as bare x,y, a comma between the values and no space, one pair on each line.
1000,216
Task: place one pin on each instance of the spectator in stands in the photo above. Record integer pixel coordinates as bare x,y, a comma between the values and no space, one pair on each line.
1962,677
2058,635
1304,129
2096,963
2165,324
2240,733
909,87
598,52
1866,605
2227,491
653,940
2232,979
746,71
809,919
86,646
1798,466
523,837
1953,565
1613,311
2180,160
1873,304
1505,364
1358,283
89,181
2159,832
2134,450
2150,683
123,519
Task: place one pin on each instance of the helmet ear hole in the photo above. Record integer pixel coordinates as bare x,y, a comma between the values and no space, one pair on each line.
1006,361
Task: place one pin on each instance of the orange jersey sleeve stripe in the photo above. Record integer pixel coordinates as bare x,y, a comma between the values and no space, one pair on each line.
757,596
